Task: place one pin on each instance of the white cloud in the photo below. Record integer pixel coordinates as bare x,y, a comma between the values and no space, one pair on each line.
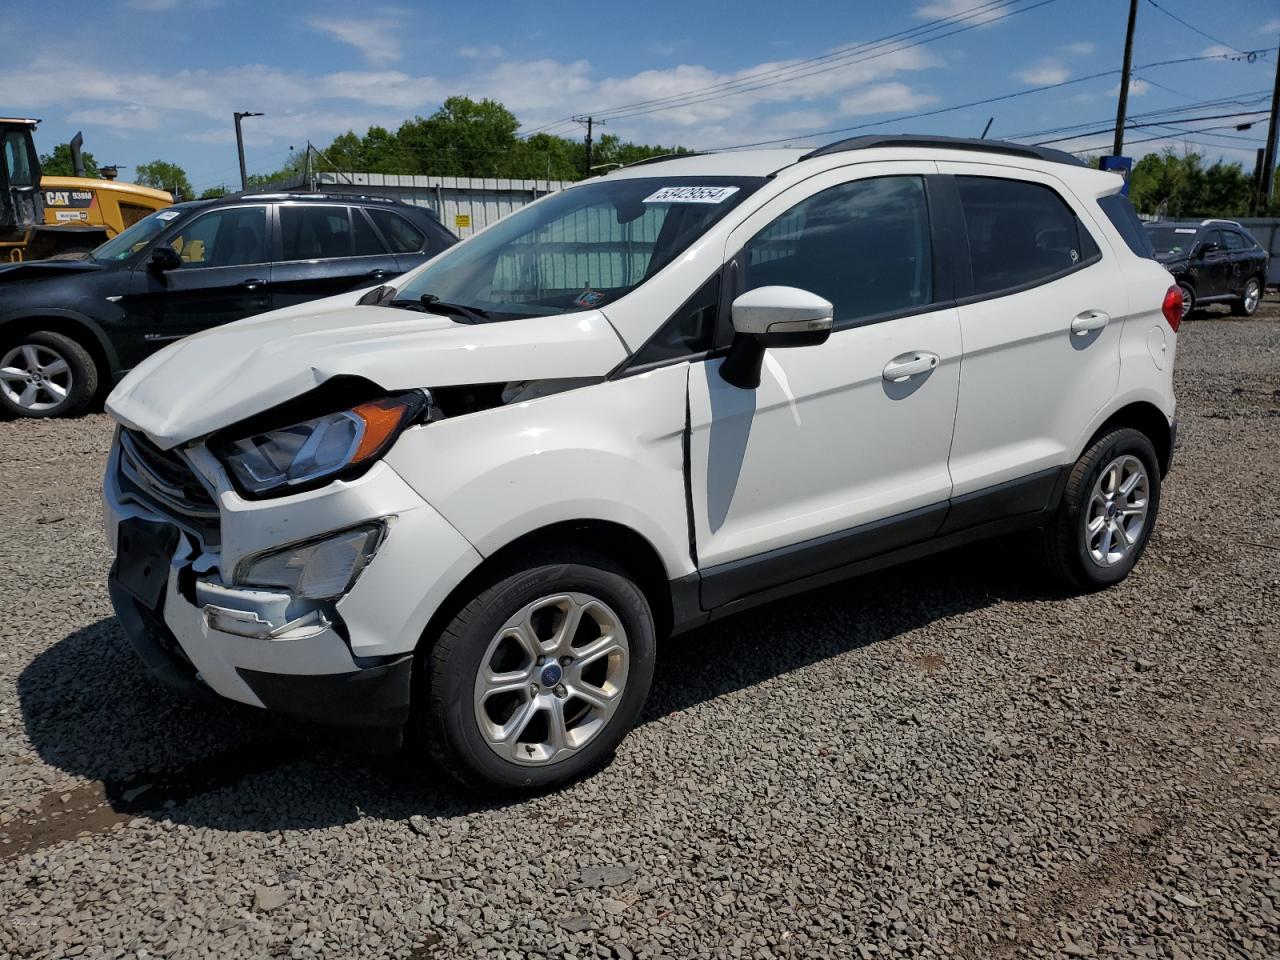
1271,26
484,51
938,9
1081,48
1218,50
884,98
1136,88
377,38
1043,73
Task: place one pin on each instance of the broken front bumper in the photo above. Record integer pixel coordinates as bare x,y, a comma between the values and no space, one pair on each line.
344,661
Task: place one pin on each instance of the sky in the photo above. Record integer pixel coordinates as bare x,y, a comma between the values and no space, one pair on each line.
160,79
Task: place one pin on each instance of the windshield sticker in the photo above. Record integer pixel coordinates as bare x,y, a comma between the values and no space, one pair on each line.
167,215
1184,229
590,298
691,195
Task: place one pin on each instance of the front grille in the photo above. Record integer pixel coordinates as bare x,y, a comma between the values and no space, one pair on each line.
165,482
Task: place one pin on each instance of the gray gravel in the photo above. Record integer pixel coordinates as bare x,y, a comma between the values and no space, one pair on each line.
940,760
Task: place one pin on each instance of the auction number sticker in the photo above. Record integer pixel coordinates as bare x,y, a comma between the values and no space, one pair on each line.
168,215
691,195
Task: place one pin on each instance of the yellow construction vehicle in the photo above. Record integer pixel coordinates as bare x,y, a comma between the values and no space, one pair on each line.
60,217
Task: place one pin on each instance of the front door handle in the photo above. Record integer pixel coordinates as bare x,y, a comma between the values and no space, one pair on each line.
252,284
909,365
378,274
1089,321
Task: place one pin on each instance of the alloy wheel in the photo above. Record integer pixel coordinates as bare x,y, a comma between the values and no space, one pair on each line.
35,377
551,678
1117,513
1188,301
1252,294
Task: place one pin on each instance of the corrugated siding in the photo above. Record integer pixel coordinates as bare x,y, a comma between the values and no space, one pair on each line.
463,204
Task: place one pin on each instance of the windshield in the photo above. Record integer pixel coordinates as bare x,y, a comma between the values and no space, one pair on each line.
580,249
130,241
1172,241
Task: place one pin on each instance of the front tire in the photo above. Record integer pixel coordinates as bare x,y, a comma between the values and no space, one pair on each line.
1247,305
45,374
533,684
1108,510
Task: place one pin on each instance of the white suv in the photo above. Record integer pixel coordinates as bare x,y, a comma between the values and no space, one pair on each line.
469,504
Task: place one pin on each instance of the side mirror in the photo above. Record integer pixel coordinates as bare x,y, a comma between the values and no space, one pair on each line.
772,317
165,258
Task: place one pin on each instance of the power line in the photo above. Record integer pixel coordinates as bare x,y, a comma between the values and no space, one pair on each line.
975,103
1192,27
1139,126
991,11
1242,100
751,84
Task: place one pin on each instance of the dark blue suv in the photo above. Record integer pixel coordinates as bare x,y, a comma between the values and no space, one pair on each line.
68,327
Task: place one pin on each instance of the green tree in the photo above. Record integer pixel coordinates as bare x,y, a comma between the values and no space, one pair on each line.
214,192
58,163
1178,185
164,176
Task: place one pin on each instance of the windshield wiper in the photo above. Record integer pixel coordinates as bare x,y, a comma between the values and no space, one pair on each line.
430,303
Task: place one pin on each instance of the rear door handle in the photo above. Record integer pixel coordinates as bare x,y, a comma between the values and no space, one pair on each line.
378,274
253,284
1089,321
909,365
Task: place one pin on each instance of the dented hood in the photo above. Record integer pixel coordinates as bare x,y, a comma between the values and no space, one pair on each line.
224,375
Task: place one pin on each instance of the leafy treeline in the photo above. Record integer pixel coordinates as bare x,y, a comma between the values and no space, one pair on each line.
468,138
1177,185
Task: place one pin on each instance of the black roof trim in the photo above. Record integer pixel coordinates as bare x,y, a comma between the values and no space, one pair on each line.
662,157
946,143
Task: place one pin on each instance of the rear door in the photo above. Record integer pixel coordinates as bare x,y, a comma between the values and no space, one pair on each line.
412,243
326,249
833,441
225,269
1041,323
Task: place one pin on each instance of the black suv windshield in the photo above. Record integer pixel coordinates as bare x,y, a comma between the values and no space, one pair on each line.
1170,241
580,249
129,242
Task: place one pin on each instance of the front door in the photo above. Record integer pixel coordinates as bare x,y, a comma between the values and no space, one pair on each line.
326,249
1214,267
841,452
223,277
1041,327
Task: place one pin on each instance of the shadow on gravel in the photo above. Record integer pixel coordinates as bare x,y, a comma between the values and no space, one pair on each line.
91,711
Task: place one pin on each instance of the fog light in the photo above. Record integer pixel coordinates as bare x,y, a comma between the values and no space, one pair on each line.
318,569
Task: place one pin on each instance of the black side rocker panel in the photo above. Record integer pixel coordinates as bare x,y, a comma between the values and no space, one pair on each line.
730,587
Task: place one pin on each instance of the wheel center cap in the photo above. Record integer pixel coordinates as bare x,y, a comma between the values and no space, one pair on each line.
1112,510
551,674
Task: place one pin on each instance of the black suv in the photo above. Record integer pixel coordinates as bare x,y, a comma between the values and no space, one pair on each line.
67,327
1214,261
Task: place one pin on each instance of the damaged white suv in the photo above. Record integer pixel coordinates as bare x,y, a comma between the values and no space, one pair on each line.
469,503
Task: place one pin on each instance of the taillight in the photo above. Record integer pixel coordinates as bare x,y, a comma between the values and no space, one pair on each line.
1172,307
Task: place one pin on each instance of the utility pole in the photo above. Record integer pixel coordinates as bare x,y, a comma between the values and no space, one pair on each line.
244,177
1269,153
588,123
1118,147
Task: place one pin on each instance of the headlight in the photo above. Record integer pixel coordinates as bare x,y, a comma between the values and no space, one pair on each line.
316,450
316,569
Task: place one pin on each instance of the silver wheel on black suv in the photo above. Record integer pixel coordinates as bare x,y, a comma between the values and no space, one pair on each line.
1247,305
45,375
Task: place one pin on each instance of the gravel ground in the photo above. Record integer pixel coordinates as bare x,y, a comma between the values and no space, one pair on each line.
940,760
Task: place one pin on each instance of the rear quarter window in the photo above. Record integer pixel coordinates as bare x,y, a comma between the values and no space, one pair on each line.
1120,212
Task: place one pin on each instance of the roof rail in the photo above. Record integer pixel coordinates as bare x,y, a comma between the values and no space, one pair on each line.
946,143
660,157
1208,220
303,195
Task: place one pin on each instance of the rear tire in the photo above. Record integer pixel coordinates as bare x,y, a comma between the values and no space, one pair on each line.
1247,305
1108,510
45,374
499,719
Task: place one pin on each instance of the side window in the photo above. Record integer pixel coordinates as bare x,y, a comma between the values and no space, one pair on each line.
862,245
1234,240
1122,216
1214,237
230,237
692,329
1020,233
402,235
17,160
364,238
313,232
